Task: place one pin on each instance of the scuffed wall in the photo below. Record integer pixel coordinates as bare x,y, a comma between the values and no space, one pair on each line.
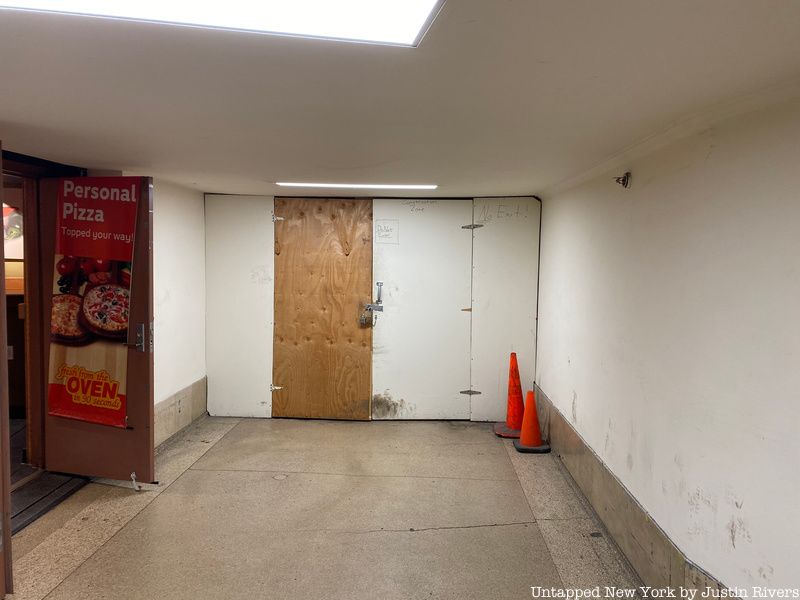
669,336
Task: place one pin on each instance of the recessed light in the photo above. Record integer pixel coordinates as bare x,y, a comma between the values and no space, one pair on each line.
360,186
399,22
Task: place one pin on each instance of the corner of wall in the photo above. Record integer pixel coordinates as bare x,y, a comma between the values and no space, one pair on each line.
180,410
179,288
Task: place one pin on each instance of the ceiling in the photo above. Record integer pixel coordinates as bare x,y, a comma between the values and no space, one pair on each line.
501,97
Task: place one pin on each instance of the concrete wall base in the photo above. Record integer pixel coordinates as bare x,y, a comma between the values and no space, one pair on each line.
657,561
180,410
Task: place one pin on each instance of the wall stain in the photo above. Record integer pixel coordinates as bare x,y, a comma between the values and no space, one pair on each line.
260,275
609,432
703,510
678,462
574,406
766,572
698,501
738,530
734,500
384,406
629,461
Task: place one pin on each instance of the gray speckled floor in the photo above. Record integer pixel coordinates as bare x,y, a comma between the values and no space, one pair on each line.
324,509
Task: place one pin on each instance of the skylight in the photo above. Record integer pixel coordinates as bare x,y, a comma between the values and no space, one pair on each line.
400,22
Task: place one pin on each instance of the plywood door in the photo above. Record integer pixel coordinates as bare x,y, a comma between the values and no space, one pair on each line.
505,276
239,329
421,347
323,278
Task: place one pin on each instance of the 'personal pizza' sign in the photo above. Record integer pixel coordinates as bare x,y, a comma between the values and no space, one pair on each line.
91,298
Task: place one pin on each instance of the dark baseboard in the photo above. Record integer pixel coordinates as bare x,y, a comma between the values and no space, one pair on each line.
656,560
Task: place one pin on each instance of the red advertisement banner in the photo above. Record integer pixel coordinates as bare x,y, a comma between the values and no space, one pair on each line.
95,217
91,298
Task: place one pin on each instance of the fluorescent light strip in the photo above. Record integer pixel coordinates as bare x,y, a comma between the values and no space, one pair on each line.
359,186
396,22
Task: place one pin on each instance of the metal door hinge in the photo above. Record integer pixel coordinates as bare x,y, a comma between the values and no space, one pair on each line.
276,218
273,388
470,392
473,226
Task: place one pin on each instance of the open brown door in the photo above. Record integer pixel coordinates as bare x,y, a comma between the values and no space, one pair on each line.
5,434
98,357
323,279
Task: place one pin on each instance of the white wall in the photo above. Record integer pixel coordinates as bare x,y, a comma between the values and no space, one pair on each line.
669,335
240,253
179,288
505,261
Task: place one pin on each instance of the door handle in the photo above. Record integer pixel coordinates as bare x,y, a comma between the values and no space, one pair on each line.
139,345
368,316
377,306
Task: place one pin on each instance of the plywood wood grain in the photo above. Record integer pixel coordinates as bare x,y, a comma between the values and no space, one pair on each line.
323,278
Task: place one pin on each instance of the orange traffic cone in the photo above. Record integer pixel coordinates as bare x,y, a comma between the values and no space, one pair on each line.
514,411
530,440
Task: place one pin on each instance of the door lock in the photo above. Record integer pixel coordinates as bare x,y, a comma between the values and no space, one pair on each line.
377,306
139,345
368,317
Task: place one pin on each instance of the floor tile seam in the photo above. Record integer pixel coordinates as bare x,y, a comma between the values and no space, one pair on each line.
562,519
133,516
547,546
360,475
594,517
405,530
411,529
101,546
619,557
575,492
519,483
384,449
184,435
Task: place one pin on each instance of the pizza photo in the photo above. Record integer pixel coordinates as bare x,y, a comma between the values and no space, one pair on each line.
105,310
65,325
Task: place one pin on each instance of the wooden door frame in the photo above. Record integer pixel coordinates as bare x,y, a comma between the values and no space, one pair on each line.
32,170
6,582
